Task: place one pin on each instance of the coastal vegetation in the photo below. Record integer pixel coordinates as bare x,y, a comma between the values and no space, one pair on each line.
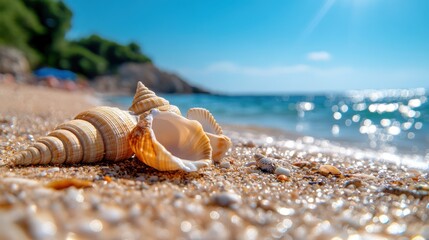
39,27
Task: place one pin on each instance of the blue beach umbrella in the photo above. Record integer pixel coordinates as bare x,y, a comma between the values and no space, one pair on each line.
54,72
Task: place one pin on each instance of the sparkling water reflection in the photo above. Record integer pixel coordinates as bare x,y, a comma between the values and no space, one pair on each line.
388,120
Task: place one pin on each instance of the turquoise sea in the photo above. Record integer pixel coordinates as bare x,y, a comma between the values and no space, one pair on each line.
395,121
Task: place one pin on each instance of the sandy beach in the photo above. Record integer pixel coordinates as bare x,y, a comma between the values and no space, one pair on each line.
314,195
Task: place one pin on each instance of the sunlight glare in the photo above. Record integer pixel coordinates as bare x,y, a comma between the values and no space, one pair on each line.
319,17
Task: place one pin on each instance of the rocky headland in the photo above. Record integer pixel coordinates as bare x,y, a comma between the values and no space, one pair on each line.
128,74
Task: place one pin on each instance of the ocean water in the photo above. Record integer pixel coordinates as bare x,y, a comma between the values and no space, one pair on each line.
393,121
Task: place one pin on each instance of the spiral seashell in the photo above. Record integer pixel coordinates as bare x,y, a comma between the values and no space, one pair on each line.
167,141
96,134
219,142
264,163
146,100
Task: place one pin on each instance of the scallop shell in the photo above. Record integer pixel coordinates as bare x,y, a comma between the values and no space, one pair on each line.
167,141
146,100
219,142
95,134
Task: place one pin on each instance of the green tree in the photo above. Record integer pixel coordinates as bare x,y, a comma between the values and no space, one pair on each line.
39,27
83,61
115,53
18,25
55,18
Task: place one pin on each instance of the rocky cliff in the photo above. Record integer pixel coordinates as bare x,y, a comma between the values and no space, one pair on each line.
157,80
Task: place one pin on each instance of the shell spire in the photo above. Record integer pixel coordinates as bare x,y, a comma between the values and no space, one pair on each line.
146,100
219,142
96,134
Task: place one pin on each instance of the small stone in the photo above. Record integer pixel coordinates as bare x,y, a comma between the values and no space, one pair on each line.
20,181
225,165
353,182
250,164
153,179
111,214
52,170
249,144
226,199
140,178
424,187
134,211
42,174
282,171
107,178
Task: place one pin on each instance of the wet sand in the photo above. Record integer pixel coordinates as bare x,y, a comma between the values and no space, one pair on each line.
235,199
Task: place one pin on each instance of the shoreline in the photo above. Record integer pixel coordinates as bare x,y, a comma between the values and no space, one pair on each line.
230,200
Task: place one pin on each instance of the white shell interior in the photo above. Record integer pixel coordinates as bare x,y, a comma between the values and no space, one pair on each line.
175,134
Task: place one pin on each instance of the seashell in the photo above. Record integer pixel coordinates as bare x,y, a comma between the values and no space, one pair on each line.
68,182
329,169
146,100
219,142
167,141
96,134
264,163
282,178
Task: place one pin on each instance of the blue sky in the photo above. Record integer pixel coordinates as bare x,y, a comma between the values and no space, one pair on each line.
272,46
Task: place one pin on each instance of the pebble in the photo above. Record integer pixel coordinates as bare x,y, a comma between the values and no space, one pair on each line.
42,174
140,178
226,199
52,170
42,226
111,214
250,164
353,182
424,187
282,171
249,144
264,163
21,181
402,191
153,179
225,165
134,211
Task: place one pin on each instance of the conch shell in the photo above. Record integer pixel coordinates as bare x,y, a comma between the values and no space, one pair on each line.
145,100
163,139
219,142
167,141
96,134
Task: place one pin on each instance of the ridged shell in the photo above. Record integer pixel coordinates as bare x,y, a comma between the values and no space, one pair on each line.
96,134
89,138
56,147
72,147
219,142
167,141
146,100
114,126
